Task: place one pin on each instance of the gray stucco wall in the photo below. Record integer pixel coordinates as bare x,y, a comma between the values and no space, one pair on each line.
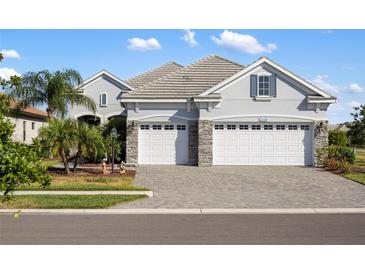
289,102
30,133
93,90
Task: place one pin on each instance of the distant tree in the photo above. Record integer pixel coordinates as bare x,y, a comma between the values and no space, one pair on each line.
56,90
356,131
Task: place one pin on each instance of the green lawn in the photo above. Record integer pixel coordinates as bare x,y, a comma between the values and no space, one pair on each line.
68,201
87,183
359,165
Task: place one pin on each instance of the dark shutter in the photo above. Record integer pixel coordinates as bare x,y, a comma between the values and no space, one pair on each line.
273,85
253,90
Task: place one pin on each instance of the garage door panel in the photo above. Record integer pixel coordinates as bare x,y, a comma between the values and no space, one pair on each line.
243,160
268,148
232,148
244,137
273,146
244,148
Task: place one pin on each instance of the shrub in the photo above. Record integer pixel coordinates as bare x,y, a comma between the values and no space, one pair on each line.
337,138
341,153
19,164
337,165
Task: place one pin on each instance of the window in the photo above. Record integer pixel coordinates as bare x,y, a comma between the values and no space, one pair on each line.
280,127
103,99
145,127
256,127
268,127
263,86
33,125
243,127
292,127
169,127
304,127
24,131
180,127
231,127
156,127
218,127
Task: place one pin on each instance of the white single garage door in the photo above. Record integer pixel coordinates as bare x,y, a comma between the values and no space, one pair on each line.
262,144
163,143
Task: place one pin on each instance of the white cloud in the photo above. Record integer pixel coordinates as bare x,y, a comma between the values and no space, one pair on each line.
189,37
5,73
321,82
355,88
10,53
242,42
141,44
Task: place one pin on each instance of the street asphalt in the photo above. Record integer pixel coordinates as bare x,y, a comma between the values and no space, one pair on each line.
183,229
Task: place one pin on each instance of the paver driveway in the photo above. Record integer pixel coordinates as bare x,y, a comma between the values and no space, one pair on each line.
245,187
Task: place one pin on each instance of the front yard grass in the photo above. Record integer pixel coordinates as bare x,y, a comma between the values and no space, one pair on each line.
358,173
67,201
80,183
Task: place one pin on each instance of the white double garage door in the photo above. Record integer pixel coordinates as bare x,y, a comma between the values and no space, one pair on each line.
233,143
262,144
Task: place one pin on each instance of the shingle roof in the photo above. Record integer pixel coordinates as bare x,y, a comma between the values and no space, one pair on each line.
189,81
153,74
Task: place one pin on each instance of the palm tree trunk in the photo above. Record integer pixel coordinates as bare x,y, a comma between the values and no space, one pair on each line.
64,160
77,156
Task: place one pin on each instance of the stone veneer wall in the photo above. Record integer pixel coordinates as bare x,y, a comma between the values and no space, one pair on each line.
193,142
320,137
132,142
205,143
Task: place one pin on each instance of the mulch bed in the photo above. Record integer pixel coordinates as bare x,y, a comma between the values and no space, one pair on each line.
95,172
358,170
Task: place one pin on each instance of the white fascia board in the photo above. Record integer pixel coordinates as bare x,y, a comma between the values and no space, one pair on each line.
271,63
319,101
99,74
150,100
206,99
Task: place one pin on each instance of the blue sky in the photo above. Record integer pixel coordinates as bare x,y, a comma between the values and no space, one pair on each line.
332,59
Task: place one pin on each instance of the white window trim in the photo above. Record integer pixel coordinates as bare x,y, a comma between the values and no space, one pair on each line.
258,86
101,99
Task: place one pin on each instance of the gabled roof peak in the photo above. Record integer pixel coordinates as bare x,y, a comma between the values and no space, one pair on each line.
106,73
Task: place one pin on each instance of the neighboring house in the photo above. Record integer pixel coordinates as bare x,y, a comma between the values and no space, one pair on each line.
27,122
341,127
216,112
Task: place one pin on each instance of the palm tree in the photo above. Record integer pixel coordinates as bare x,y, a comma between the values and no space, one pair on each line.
89,142
56,90
59,135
